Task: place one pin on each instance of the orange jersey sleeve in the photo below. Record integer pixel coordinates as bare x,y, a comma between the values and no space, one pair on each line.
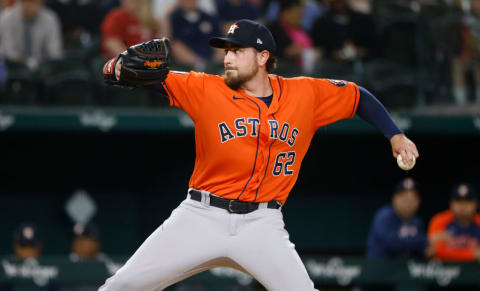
334,100
443,251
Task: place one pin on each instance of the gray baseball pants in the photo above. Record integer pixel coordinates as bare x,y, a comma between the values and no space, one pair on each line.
197,237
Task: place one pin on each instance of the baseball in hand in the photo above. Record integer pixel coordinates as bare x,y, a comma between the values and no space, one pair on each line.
405,166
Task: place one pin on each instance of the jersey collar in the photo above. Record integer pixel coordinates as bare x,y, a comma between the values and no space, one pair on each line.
275,82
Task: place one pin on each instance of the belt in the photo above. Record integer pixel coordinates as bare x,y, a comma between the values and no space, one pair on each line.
233,206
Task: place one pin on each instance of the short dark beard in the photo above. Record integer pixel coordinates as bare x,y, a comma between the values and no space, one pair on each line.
235,82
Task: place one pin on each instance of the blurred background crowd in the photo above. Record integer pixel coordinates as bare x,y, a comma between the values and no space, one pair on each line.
416,56
397,232
413,54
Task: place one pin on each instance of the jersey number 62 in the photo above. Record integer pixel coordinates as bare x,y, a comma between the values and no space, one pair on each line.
283,161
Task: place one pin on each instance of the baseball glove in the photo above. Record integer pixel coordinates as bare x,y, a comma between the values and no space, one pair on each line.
142,65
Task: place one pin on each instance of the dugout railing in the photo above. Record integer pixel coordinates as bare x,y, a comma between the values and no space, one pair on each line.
61,274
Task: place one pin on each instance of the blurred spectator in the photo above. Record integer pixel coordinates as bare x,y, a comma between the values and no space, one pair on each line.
293,42
362,6
27,243
396,231
313,9
79,31
123,27
27,248
6,3
231,10
461,226
270,10
344,34
86,246
30,33
469,57
162,9
85,243
191,29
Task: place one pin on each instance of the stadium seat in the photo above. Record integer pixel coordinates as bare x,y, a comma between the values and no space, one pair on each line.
287,68
394,84
52,68
69,89
399,42
21,87
387,11
335,70
121,97
66,82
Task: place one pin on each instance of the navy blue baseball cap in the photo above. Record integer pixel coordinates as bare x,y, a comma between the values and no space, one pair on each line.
247,33
27,235
463,191
406,184
87,230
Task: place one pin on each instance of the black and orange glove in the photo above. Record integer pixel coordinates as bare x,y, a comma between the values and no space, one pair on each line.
142,65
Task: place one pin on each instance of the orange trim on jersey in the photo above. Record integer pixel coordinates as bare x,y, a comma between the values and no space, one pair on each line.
443,251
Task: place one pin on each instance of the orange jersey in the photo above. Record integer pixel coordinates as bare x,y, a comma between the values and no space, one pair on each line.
460,249
246,150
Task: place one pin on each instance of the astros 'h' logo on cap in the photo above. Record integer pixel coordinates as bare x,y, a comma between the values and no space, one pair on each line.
232,29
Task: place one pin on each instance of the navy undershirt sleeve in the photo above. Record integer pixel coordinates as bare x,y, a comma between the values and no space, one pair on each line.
372,111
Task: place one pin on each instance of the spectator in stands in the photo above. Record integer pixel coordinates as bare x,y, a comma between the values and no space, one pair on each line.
85,243
30,33
27,243
6,3
231,10
293,42
469,57
27,248
86,246
123,27
78,30
313,9
362,6
462,223
343,34
396,231
191,28
162,9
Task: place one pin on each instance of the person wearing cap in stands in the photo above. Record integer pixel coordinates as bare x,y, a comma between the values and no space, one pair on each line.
190,28
26,242
396,231
27,248
86,246
86,242
462,222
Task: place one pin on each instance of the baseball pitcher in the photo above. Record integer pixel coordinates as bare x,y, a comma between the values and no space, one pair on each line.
252,131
